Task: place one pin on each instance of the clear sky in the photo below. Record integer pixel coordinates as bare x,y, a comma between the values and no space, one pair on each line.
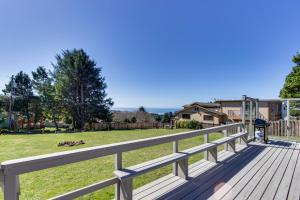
162,53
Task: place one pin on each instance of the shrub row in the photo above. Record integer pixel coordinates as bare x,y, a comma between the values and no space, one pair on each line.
190,124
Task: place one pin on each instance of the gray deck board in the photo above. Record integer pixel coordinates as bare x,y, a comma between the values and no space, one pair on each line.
242,173
294,192
271,177
283,189
218,176
272,186
259,171
260,175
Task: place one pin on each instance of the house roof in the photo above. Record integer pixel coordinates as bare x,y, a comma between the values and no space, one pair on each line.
203,104
239,100
213,112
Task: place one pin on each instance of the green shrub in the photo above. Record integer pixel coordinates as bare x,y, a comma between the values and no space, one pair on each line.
190,124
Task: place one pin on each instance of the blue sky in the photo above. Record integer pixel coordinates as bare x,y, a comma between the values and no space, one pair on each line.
159,53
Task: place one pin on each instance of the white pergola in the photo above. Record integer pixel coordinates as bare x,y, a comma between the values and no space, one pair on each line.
255,101
251,114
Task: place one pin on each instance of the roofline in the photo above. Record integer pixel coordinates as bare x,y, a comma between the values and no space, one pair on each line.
205,109
237,100
204,103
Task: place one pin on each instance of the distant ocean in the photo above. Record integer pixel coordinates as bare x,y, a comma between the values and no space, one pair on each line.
149,110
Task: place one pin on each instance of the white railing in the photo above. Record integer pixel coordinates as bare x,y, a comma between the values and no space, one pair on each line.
10,170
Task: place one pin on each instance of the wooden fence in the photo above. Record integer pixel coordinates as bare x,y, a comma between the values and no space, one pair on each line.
281,128
10,170
124,125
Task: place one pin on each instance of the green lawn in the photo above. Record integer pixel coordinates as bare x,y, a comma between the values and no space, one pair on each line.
54,181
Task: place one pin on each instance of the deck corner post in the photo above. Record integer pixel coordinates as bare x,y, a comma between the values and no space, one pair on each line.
126,189
11,187
212,154
183,168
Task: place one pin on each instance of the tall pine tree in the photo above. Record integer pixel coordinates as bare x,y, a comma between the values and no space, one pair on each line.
44,85
81,88
21,87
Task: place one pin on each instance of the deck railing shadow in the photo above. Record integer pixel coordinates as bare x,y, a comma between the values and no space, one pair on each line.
280,143
204,184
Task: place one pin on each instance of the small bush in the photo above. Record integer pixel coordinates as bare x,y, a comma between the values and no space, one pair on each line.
190,124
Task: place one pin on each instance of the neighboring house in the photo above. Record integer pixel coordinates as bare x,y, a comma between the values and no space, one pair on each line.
269,109
208,113
121,116
228,110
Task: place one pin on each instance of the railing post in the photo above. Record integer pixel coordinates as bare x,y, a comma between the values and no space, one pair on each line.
206,140
239,129
256,109
251,131
175,165
244,139
180,168
183,168
231,146
225,135
118,166
212,153
1,180
126,189
288,118
123,189
11,187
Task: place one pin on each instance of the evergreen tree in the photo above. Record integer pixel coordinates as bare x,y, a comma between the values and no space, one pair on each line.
43,84
291,87
21,87
142,109
167,117
81,88
133,120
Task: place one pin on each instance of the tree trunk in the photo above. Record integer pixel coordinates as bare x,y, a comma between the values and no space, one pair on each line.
27,116
82,108
55,123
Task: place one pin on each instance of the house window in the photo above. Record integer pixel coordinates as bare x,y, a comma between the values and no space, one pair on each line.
208,118
186,116
196,109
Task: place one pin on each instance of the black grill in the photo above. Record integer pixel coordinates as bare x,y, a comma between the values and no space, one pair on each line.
261,124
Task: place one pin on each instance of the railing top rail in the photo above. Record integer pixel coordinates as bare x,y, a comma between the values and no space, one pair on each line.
29,164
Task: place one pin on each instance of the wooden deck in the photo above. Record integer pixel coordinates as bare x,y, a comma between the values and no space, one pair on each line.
259,171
